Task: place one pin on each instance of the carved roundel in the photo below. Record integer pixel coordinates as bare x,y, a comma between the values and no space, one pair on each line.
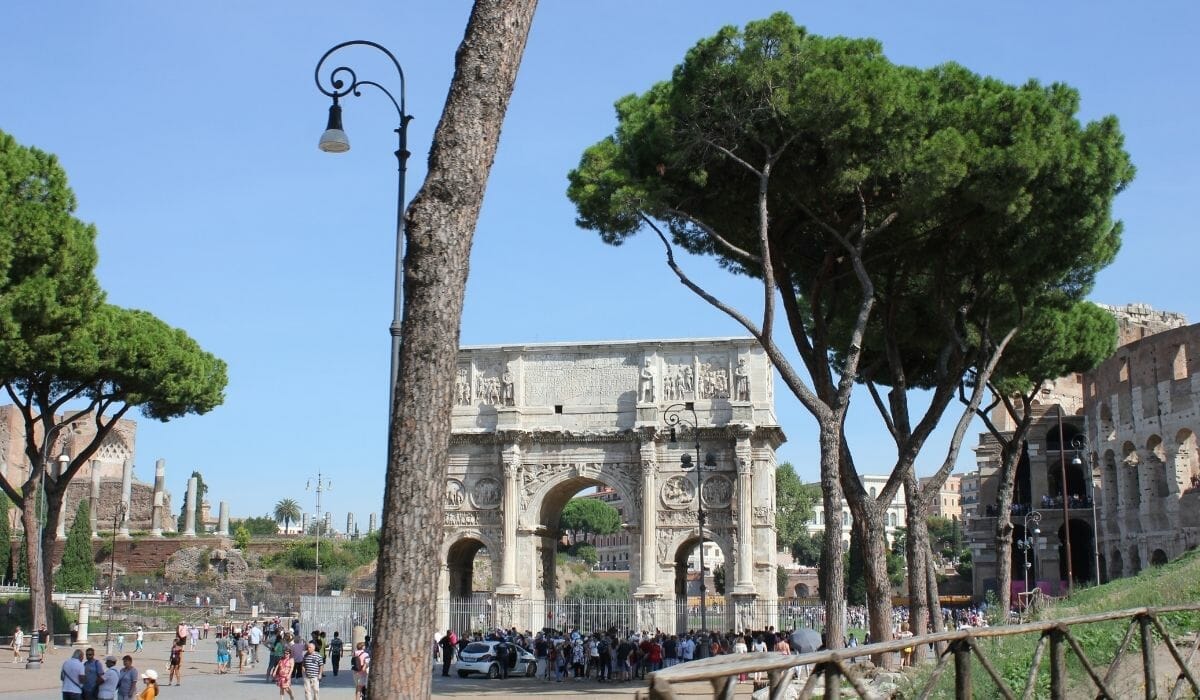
456,494
717,492
486,493
678,492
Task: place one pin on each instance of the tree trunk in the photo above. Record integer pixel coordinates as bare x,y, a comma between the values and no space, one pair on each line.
835,577
916,547
29,520
879,588
54,501
440,227
1009,455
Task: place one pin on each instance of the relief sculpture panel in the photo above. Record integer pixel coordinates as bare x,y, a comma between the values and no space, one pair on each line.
717,491
567,379
678,492
713,382
486,493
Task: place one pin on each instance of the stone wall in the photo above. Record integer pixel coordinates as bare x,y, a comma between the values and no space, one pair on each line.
140,509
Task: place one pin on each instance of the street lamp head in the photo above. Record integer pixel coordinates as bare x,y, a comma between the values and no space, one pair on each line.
334,139
685,461
710,460
1037,531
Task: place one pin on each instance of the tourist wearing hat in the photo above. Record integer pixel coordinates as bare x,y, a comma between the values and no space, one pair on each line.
150,687
108,682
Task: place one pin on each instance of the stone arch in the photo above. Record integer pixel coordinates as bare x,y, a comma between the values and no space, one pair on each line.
802,590
551,496
459,552
1110,489
1108,430
1117,567
1063,462
1083,542
1156,464
687,613
1135,560
1186,461
1023,483
1131,487
1158,558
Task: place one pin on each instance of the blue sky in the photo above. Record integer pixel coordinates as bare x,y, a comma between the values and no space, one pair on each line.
189,134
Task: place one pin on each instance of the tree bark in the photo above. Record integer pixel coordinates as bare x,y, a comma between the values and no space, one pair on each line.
37,581
440,227
916,547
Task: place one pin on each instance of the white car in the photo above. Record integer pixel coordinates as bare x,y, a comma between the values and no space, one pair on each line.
480,657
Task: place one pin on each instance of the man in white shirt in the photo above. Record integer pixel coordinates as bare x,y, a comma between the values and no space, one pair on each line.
72,676
687,649
255,635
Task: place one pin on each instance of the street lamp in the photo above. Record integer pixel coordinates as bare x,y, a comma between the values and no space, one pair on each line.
334,140
1079,444
1030,541
118,517
674,417
321,486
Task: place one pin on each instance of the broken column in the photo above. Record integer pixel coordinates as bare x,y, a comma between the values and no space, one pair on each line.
349,524
328,523
303,523
189,508
126,497
223,519
160,482
370,523
94,504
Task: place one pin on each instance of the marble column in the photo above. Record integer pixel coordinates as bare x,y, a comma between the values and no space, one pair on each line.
160,484
81,640
60,532
189,508
94,503
349,524
304,523
126,497
223,519
328,523
511,463
648,579
370,523
744,580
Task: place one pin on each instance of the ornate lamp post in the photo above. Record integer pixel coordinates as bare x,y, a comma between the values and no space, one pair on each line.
1030,541
1079,444
118,517
343,81
674,417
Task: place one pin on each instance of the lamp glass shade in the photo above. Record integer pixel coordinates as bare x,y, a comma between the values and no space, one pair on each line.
334,141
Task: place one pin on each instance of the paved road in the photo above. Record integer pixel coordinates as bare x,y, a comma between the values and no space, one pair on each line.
200,682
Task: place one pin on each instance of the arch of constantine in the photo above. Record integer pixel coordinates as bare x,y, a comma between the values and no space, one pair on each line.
534,424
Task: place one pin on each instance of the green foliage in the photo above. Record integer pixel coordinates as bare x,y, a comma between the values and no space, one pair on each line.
586,552
6,543
589,516
335,554
718,575
261,525
781,581
856,577
795,505
1056,342
965,565
241,537
23,562
77,573
598,589
23,616
806,549
286,511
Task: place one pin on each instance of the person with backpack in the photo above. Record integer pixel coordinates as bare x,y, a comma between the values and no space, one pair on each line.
604,660
335,652
360,664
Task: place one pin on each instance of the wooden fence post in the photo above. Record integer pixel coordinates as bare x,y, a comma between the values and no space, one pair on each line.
1058,665
1148,655
962,669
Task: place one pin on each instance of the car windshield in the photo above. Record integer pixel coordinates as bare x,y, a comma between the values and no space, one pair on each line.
477,648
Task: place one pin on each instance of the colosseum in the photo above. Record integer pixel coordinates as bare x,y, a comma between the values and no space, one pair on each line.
1109,477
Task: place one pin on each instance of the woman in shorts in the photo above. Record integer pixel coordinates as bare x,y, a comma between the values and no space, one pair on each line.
361,665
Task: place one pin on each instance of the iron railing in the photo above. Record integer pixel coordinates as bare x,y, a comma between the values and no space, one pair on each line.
830,668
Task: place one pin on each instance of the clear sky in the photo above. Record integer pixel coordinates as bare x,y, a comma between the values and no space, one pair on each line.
189,133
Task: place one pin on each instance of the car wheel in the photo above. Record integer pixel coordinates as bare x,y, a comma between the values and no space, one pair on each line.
493,671
531,669
463,674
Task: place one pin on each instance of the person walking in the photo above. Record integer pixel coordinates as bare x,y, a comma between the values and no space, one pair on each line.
43,639
139,641
335,652
175,663
17,640
360,664
128,683
222,654
283,675
312,673
150,691
254,637
448,647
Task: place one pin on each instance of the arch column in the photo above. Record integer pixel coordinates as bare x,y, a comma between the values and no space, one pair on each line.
511,463
648,580
744,580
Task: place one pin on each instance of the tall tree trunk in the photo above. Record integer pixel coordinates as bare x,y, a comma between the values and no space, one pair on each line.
441,225
916,546
54,501
879,588
1004,527
37,587
831,490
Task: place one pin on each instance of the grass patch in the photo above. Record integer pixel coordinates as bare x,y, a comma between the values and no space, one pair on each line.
1176,583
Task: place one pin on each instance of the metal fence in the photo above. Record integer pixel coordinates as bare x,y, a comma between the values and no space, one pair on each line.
482,611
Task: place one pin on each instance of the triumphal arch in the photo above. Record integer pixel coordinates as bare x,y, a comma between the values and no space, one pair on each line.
534,424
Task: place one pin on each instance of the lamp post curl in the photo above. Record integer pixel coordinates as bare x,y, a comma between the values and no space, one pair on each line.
344,81
673,417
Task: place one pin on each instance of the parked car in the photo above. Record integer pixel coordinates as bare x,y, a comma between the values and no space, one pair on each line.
480,657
